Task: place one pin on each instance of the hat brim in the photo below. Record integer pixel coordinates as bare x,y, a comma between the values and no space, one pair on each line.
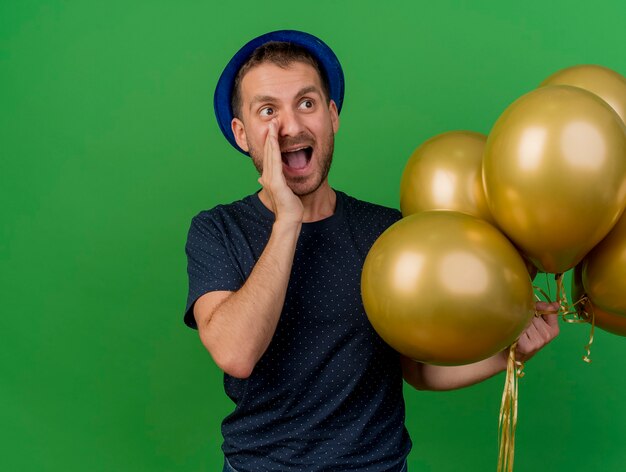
316,47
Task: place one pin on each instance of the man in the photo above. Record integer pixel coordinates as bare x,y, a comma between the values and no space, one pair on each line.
274,282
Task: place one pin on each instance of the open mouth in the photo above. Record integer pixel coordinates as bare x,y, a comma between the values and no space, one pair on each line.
298,158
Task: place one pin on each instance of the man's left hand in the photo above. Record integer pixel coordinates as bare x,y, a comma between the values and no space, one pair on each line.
541,330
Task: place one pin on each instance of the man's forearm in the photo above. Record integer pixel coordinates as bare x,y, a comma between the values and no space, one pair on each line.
242,326
540,331
434,377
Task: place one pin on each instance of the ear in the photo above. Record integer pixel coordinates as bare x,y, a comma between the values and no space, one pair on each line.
334,115
240,133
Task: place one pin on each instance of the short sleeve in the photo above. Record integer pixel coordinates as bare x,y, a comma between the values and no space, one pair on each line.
209,265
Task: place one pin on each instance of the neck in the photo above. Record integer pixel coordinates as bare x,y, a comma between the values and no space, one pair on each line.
319,204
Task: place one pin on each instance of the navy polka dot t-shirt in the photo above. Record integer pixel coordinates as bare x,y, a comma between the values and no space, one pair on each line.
327,393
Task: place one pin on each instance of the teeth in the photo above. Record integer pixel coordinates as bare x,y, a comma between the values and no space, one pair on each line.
297,149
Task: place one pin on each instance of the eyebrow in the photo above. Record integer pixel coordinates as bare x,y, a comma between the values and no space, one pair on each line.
309,89
269,98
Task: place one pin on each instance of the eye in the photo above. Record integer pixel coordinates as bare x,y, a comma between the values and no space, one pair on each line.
266,111
306,104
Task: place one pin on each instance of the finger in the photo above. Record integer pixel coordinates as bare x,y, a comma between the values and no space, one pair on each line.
524,345
527,342
270,138
275,156
531,332
553,323
273,159
543,330
545,307
267,154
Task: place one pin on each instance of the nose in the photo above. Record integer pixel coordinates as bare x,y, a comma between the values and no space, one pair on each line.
289,123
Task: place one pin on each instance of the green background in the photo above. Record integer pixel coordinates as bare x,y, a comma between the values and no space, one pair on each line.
108,148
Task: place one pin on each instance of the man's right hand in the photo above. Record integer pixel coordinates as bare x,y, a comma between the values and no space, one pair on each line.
287,206
237,327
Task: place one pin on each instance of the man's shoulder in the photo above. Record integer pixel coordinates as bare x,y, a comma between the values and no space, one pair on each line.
226,210
364,210
239,215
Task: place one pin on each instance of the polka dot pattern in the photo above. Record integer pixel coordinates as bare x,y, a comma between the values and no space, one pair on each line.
327,393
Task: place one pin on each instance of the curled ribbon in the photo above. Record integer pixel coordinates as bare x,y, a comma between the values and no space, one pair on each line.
569,312
507,421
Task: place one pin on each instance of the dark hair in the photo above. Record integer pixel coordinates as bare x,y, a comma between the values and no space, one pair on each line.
282,54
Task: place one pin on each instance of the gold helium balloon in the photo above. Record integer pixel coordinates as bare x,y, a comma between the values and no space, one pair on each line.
530,267
602,81
610,322
445,173
554,172
604,271
442,287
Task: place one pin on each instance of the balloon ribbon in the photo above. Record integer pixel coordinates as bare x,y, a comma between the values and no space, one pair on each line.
507,421
586,317
569,313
